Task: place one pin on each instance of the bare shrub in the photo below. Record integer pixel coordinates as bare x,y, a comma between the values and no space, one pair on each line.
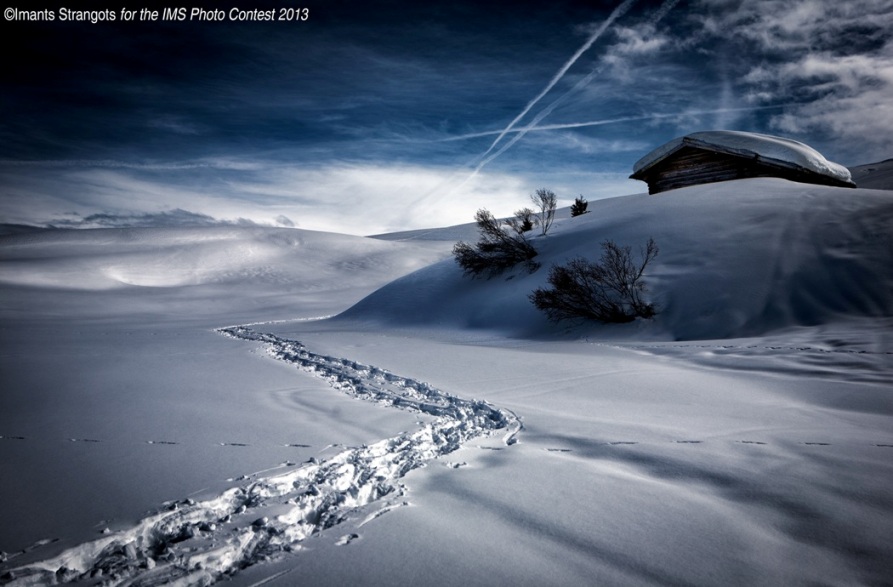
497,249
546,202
608,291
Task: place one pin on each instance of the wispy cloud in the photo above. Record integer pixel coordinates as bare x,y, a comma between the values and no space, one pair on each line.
216,163
387,119
355,198
833,60
167,219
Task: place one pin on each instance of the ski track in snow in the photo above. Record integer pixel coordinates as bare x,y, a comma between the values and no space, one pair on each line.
199,542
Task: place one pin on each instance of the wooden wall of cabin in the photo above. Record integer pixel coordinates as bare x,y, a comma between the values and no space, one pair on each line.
692,166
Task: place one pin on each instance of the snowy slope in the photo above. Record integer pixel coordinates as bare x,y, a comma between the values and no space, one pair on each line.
116,393
736,259
875,176
237,267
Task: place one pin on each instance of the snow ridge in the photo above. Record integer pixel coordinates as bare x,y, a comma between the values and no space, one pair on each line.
198,543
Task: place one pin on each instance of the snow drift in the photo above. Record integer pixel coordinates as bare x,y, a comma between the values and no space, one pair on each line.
96,259
245,273
740,258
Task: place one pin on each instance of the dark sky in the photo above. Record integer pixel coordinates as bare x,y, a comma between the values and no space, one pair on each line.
373,116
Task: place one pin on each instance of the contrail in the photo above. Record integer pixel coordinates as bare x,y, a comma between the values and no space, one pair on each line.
661,12
484,159
618,12
605,121
664,10
520,132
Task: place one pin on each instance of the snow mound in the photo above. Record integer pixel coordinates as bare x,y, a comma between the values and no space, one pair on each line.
99,259
784,151
740,258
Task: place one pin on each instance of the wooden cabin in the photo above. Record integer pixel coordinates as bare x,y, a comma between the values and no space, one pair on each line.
708,157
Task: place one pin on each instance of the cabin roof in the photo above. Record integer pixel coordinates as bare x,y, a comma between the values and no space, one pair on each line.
770,150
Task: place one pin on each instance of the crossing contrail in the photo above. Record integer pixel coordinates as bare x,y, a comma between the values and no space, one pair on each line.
661,12
606,121
618,12
487,157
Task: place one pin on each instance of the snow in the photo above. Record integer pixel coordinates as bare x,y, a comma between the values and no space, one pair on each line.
735,264
778,149
877,176
185,418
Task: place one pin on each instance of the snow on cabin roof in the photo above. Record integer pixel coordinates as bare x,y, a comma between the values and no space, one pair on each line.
785,152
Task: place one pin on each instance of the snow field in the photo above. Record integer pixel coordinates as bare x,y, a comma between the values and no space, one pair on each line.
196,542
742,437
636,468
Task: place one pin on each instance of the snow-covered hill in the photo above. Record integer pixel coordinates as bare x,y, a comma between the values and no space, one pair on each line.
875,176
247,271
739,258
415,443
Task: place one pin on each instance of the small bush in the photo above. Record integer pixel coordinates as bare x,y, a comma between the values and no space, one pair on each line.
579,206
522,222
496,250
608,291
546,201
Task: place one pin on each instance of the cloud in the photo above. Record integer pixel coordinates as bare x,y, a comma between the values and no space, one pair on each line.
830,64
832,60
370,121
784,26
355,198
175,125
212,163
364,198
170,219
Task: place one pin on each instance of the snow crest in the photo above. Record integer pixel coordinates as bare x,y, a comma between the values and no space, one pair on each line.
200,542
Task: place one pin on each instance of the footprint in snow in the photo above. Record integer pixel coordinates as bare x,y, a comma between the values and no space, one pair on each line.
817,443
83,440
234,444
12,438
558,450
298,445
688,441
751,442
161,442
622,442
